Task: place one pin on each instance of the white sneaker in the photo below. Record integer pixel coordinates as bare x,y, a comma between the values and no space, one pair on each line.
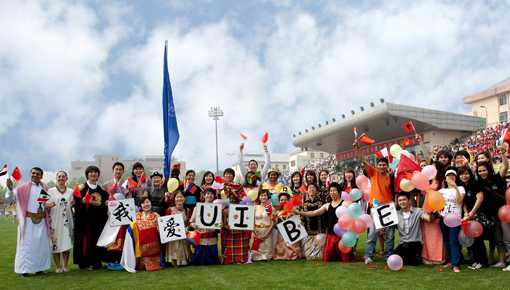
368,260
498,265
507,269
475,266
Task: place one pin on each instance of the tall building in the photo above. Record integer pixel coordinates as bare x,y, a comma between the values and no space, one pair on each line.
105,163
491,103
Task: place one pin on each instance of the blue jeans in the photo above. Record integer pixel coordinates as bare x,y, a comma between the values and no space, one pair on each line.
372,238
451,243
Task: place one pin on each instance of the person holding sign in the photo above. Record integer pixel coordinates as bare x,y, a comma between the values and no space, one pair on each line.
381,192
330,251
409,229
206,252
236,242
33,250
90,216
147,243
262,241
282,250
61,199
453,196
178,253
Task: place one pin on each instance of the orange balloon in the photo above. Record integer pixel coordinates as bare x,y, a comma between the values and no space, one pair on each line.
435,200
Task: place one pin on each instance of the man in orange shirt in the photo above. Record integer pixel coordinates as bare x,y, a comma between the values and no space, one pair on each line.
381,192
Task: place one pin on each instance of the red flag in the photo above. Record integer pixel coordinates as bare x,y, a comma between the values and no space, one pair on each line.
243,136
365,139
384,153
219,179
143,179
407,142
302,171
76,191
406,166
505,136
265,138
16,174
408,127
4,170
132,184
88,198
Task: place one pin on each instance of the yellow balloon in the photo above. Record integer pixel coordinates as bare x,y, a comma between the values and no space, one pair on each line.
406,185
172,184
395,150
252,194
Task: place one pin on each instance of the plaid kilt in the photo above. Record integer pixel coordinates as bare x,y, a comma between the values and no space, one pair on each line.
236,245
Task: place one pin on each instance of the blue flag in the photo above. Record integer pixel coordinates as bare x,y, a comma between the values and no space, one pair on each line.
171,132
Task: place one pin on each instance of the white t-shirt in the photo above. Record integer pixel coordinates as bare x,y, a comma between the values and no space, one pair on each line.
450,201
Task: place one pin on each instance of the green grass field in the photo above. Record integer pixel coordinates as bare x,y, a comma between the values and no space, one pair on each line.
262,275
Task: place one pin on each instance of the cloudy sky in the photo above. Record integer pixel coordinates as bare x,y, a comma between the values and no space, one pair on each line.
85,77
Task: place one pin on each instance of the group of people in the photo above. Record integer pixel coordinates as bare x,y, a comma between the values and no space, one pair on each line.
62,219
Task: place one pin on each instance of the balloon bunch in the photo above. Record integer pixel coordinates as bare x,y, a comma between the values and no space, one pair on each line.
434,201
351,221
504,211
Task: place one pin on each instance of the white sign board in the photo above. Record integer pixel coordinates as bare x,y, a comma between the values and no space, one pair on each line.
171,228
122,212
292,230
384,215
241,217
208,215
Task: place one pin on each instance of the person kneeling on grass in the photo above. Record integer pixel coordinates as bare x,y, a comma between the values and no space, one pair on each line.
409,229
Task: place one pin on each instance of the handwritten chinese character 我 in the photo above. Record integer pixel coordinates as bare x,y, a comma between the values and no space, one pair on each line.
121,211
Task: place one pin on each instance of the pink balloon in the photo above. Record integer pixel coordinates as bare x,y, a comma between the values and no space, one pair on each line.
346,196
504,214
430,171
340,211
367,219
362,182
452,220
359,226
420,181
395,262
366,196
345,222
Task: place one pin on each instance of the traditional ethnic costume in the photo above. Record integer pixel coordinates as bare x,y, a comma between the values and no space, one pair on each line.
90,215
148,249
178,252
33,250
61,220
206,252
262,243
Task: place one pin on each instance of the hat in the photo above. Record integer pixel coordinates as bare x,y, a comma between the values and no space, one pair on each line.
463,153
450,171
156,173
273,170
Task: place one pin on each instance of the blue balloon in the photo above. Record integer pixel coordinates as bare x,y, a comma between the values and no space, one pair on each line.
376,203
354,210
356,194
338,230
274,199
349,239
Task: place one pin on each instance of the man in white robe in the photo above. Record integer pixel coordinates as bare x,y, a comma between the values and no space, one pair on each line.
33,250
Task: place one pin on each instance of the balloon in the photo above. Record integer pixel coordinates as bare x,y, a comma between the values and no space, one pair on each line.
473,229
435,200
338,230
340,211
349,239
354,210
464,240
452,220
172,184
395,262
430,171
345,196
193,237
367,219
362,182
359,226
420,181
507,196
253,194
394,163
504,214
246,201
406,185
220,201
366,196
345,222
395,150
274,199
355,194
343,249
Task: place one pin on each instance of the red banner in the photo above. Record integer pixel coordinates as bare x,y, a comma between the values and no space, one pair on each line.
405,142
